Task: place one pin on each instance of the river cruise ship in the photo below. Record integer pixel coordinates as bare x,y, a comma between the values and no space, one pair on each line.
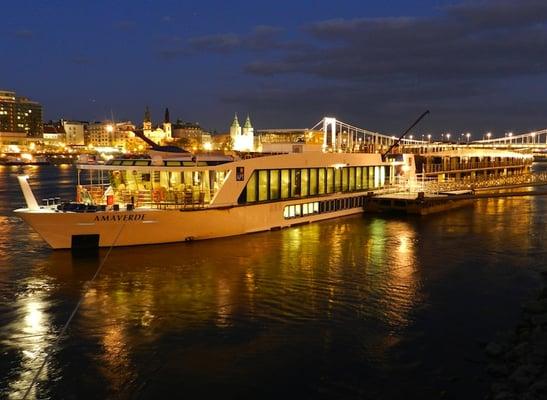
185,197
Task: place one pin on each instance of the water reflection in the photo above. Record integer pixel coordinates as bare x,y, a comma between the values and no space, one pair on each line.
29,336
322,309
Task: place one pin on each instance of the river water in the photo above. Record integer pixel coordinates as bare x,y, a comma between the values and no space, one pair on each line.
359,307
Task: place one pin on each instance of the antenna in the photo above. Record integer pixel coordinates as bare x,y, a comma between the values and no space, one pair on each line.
404,133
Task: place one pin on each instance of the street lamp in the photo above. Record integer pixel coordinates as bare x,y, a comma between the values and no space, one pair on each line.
429,137
467,135
488,135
448,136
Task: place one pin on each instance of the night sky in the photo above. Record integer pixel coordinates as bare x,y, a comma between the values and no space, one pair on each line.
477,66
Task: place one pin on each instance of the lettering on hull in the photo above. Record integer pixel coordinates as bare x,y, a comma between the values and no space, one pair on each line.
118,217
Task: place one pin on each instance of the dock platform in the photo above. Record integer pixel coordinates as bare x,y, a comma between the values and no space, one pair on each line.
418,203
422,204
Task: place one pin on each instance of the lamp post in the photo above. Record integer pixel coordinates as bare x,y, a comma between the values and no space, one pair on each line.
468,135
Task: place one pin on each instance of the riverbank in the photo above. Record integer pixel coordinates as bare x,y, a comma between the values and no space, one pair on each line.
518,359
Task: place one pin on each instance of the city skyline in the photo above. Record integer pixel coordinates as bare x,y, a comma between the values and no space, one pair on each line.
477,66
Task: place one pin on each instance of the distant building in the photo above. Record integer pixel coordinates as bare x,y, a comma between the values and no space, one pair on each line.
192,135
53,133
221,141
188,130
288,140
19,114
242,138
124,138
100,134
159,135
114,134
75,132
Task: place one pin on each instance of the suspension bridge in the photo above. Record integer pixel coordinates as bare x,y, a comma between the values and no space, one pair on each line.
339,135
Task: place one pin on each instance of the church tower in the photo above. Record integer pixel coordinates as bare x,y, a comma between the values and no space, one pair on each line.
235,131
147,122
248,135
167,125
247,127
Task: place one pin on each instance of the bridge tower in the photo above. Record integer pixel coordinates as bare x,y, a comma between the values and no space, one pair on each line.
329,123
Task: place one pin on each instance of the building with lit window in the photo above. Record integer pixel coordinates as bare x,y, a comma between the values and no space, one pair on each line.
100,134
75,132
120,135
19,114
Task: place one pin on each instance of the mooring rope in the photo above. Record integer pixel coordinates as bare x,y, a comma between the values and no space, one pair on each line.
69,320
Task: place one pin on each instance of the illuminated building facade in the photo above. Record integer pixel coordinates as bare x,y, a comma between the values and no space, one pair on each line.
100,134
75,132
192,135
159,135
242,138
19,114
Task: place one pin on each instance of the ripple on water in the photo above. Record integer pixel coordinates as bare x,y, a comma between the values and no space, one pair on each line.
354,307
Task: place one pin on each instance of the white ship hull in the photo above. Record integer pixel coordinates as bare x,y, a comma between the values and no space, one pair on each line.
149,226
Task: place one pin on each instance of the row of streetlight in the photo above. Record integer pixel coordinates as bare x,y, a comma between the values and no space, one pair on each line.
467,136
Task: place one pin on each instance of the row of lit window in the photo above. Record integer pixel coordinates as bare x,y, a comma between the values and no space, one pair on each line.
320,207
300,210
278,184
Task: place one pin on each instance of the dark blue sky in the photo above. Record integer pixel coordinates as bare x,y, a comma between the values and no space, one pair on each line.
477,65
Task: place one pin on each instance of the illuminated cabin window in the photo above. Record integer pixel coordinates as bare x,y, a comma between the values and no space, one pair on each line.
345,180
280,184
321,181
251,189
321,207
262,185
304,181
337,179
358,178
274,184
313,181
300,210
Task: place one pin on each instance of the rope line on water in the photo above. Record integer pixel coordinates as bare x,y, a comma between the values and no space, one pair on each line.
69,320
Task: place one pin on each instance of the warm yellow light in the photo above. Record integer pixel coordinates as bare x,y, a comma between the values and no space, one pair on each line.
207,146
338,165
26,156
109,128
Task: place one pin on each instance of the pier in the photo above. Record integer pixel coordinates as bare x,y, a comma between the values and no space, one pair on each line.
423,204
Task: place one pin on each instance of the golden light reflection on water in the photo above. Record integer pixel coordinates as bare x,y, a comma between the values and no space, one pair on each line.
30,335
390,250
358,278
